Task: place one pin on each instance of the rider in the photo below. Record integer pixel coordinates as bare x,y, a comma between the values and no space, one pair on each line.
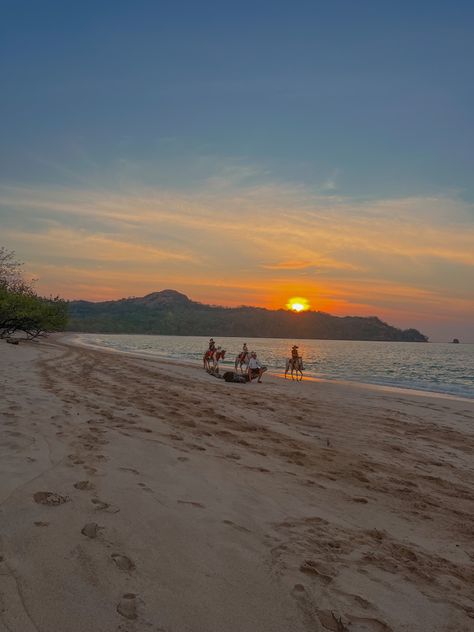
294,353
244,351
212,345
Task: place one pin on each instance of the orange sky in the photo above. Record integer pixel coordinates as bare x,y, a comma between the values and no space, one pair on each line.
408,260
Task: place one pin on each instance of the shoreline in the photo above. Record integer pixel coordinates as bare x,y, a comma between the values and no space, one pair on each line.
273,372
141,495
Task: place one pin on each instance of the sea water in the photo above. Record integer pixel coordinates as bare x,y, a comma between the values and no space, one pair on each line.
435,367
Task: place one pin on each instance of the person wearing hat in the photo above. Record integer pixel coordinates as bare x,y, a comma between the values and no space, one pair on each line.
294,352
212,345
255,369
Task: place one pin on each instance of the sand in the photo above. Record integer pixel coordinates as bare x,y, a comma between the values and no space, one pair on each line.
138,494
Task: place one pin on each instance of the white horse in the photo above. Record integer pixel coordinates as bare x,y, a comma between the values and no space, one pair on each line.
296,365
241,360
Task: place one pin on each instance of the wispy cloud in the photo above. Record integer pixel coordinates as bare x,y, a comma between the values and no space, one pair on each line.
246,242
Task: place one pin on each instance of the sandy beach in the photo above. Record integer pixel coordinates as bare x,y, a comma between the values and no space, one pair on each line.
138,494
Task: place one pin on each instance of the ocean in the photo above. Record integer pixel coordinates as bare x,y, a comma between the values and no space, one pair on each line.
433,367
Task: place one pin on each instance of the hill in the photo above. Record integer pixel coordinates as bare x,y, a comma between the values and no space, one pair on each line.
172,313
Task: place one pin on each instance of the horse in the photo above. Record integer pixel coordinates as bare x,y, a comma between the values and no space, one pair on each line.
215,356
296,365
241,359
218,356
207,358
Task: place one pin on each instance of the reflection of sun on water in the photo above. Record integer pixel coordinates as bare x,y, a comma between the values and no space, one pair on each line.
298,304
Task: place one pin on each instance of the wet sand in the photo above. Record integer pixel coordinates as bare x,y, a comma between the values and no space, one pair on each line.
138,494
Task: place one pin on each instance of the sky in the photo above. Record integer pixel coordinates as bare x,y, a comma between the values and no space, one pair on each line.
244,152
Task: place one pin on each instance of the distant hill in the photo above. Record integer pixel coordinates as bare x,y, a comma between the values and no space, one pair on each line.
172,313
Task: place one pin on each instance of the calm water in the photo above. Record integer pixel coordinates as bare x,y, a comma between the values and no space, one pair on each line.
436,367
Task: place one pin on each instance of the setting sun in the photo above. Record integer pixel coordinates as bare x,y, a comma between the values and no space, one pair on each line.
298,304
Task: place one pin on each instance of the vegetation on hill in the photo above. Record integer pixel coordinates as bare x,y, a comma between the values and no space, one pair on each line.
172,313
21,309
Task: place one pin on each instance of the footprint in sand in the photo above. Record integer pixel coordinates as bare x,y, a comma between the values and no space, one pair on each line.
101,505
175,437
100,457
311,567
50,498
366,624
75,459
145,487
123,562
192,502
129,469
41,524
84,485
256,469
330,621
91,530
127,606
236,526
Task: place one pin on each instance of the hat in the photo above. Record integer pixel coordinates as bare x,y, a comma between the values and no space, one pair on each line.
295,347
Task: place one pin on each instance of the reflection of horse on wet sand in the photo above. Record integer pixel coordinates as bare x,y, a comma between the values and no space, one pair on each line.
241,360
296,366
213,357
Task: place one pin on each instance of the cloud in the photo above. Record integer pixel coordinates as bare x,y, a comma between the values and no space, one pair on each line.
238,240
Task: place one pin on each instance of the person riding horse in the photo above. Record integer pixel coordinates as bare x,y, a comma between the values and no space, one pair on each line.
209,355
242,358
213,355
295,363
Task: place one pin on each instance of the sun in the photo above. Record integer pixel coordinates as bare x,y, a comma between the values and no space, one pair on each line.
298,304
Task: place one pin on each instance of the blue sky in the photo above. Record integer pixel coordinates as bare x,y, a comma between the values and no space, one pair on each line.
377,96
363,101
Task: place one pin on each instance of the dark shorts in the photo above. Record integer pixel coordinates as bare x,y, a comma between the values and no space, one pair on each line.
254,371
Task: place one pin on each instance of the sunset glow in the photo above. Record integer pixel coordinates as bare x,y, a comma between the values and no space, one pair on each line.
298,304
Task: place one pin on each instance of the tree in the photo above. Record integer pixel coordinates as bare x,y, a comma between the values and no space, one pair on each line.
21,309
10,270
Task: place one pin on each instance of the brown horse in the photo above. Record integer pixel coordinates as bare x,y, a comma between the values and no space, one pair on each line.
208,357
241,359
215,357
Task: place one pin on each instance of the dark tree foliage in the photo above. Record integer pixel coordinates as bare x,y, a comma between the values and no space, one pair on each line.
21,309
169,312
